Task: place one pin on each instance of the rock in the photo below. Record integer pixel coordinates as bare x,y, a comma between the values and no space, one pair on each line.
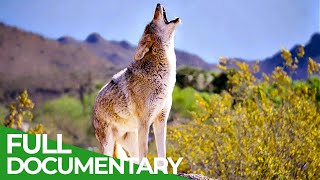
195,176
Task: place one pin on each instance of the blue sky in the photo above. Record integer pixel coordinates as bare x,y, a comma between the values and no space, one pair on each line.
251,29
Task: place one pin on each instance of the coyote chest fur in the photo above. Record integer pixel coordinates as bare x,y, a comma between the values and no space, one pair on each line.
139,95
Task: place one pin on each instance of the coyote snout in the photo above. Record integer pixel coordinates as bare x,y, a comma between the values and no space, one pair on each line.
139,95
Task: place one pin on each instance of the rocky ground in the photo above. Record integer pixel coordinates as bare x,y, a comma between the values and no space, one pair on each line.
195,176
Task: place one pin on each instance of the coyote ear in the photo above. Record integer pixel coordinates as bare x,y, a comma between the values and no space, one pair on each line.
143,47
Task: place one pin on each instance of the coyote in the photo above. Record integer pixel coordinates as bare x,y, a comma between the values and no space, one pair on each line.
139,95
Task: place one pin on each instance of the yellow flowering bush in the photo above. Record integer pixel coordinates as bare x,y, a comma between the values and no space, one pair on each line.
19,111
257,129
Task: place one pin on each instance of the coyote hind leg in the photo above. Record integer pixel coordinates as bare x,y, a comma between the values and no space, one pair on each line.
119,152
129,141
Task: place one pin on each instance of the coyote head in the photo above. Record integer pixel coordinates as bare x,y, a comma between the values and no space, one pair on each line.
158,34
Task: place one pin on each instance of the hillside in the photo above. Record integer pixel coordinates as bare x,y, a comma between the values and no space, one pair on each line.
120,53
48,67
44,66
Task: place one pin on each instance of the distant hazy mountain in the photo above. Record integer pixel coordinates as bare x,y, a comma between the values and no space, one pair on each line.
312,49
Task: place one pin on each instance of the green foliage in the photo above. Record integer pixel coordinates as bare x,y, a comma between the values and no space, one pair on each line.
65,106
3,112
201,80
99,85
198,79
220,83
69,116
314,83
184,100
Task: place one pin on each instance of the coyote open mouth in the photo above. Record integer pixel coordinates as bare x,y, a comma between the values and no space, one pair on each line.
164,15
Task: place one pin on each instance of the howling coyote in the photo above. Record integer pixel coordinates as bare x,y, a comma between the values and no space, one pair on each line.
139,95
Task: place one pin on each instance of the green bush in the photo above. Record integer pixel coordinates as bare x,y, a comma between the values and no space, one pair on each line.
314,83
184,100
200,80
65,106
3,112
67,115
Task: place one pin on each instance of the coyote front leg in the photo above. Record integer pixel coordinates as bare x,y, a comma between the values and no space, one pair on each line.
143,134
160,131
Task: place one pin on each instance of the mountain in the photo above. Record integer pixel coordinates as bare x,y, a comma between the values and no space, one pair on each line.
44,66
267,65
48,67
311,48
121,53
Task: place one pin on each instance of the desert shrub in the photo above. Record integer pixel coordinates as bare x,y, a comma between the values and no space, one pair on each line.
3,112
65,106
258,129
20,113
200,80
88,102
220,83
184,100
68,116
314,82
